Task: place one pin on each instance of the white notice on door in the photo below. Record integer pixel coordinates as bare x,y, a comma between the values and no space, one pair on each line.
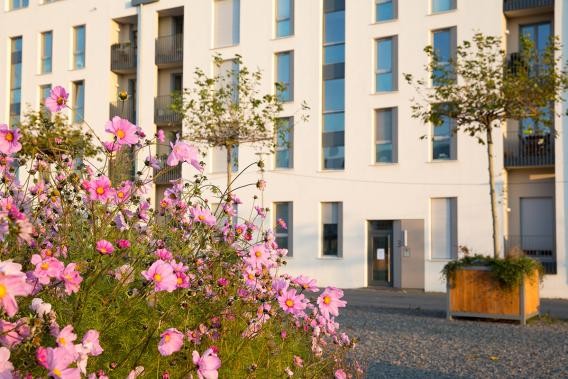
380,254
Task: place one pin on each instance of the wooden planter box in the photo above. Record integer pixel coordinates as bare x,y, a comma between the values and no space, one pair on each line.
473,292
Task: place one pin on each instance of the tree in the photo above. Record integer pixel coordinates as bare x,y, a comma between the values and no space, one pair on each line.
227,109
481,88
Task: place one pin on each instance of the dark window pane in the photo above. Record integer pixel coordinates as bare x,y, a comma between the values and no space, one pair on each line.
283,63
384,153
334,158
330,239
334,95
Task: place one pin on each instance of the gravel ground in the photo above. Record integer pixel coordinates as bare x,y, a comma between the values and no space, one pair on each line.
397,342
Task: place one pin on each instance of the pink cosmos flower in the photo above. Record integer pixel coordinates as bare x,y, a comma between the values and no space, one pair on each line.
71,278
66,337
164,254
91,342
182,152
340,374
104,247
58,361
329,301
123,193
8,334
9,140
202,215
123,130
6,366
171,342
111,146
100,189
161,136
12,284
139,370
307,284
207,364
292,302
162,274
123,244
258,256
25,230
41,356
57,99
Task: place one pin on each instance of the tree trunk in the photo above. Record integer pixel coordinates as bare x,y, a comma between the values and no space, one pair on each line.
229,149
490,160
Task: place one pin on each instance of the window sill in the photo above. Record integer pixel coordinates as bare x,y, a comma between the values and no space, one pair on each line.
436,161
78,68
441,260
224,47
325,171
382,22
276,169
282,38
16,9
330,258
379,93
442,12
383,164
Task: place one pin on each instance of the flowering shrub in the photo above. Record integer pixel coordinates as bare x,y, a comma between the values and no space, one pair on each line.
95,283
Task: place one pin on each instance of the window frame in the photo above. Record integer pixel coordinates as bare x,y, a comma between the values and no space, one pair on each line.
43,57
394,134
289,231
452,30
453,7
235,24
394,4
452,137
452,215
75,94
290,85
393,64
339,211
290,144
22,4
278,20
76,52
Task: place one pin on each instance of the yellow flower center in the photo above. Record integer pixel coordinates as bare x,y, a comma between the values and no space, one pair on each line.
61,341
251,276
100,190
57,372
258,253
103,250
48,252
201,217
158,277
290,303
179,280
120,133
68,277
3,291
167,338
60,100
326,299
44,266
120,194
9,136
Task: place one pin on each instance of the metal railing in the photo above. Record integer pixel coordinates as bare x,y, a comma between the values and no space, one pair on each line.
539,247
163,112
516,5
123,57
124,109
169,49
528,150
166,173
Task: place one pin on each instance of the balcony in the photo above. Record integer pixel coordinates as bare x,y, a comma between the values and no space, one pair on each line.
538,247
124,109
167,173
123,58
169,51
517,8
532,150
163,112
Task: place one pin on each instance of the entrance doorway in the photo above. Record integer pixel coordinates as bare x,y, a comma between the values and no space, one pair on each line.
380,254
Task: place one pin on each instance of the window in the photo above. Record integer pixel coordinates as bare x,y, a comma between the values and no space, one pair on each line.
44,92
539,34
443,227
227,22
385,10
285,75
444,43
333,136
284,18
444,140
219,159
229,71
283,225
386,76
46,52
332,229
18,4
385,135
443,5
79,46
284,150
15,80
78,101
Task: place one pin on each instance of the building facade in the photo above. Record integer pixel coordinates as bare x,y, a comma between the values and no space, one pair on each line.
368,202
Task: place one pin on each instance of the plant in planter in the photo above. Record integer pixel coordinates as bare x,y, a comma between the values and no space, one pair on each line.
488,287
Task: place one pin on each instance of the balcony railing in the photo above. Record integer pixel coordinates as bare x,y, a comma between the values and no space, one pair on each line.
166,173
528,150
538,247
123,57
169,50
163,112
124,109
519,5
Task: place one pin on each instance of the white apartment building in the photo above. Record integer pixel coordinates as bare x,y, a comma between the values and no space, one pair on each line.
366,200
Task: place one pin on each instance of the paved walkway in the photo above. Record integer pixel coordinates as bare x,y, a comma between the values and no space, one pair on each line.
415,299
404,334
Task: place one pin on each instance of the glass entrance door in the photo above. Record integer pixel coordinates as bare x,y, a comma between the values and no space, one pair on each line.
380,255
